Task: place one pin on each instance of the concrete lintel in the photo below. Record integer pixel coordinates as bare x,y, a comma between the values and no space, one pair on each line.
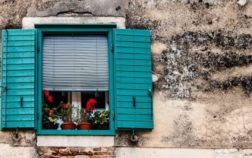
75,141
29,22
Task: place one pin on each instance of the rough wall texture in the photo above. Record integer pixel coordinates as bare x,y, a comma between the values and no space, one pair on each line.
12,11
75,152
202,64
182,153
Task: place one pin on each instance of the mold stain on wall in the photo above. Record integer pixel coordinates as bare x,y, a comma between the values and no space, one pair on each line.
184,65
203,89
207,62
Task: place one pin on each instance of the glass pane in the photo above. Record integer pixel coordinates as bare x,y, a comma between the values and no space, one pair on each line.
75,110
75,82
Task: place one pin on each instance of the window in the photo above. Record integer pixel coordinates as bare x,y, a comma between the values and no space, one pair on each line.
76,72
75,77
73,74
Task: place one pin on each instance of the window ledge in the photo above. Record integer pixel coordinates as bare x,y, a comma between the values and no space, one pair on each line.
29,22
75,141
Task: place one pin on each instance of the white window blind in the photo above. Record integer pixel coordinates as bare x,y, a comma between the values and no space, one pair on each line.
75,63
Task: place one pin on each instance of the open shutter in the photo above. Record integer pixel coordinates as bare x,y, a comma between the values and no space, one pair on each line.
18,79
133,79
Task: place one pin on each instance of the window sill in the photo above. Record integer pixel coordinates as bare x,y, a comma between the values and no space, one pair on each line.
77,132
75,141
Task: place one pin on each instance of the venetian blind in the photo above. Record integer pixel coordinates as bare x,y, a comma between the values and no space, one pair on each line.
75,63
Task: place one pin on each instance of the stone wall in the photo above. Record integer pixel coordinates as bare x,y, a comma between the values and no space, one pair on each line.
202,68
75,152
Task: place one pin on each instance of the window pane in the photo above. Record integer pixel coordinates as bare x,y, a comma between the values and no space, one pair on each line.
75,82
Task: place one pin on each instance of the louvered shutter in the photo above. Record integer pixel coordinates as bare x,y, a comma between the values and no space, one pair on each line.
75,63
18,79
133,81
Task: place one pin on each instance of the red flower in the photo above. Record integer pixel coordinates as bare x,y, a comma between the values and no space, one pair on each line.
50,99
46,93
51,112
91,103
65,106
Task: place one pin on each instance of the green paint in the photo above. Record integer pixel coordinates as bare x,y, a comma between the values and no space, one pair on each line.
133,84
18,76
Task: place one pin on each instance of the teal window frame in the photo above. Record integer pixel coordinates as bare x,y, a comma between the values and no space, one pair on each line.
106,29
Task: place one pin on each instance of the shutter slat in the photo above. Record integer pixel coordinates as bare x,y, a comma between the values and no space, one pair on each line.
18,79
17,43
21,67
19,111
18,38
135,124
17,98
20,124
26,104
143,118
128,104
14,118
133,80
18,76
19,55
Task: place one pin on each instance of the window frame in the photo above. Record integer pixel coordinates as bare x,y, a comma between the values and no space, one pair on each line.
43,29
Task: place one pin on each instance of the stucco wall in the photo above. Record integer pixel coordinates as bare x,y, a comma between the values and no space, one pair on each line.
201,64
202,59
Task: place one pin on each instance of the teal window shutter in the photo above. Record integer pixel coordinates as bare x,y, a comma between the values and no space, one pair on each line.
133,79
18,79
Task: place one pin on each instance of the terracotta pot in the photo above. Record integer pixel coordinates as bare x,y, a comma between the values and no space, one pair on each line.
84,126
102,127
68,125
49,126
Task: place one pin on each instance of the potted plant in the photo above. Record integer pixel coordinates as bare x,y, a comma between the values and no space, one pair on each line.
49,114
85,121
101,119
86,114
49,118
66,114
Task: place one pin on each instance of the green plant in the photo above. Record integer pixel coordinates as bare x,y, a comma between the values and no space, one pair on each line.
66,111
49,114
101,118
85,117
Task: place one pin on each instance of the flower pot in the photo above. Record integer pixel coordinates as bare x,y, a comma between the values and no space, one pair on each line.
49,126
85,126
101,127
68,126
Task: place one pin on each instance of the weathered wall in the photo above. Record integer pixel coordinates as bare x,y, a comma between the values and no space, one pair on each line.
202,65
12,11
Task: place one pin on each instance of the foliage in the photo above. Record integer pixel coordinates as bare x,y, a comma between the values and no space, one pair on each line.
66,113
101,117
49,114
85,116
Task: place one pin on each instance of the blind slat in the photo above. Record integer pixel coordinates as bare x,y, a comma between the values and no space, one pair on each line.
75,63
